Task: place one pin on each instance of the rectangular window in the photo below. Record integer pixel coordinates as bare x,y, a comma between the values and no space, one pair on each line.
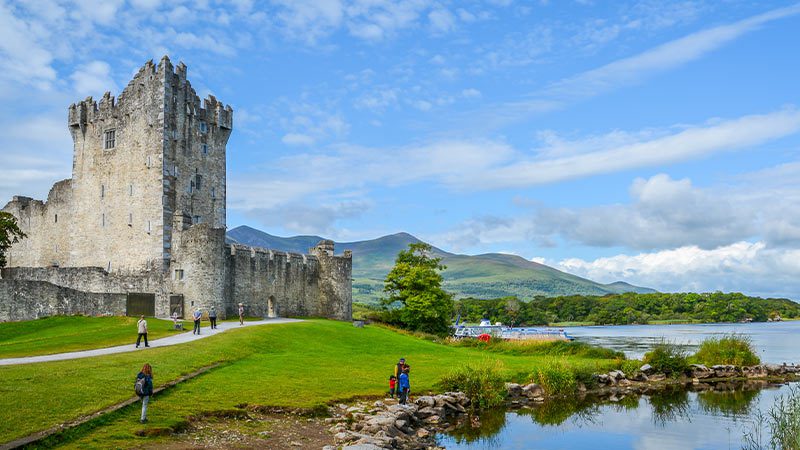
191,187
203,127
179,274
213,193
56,218
102,191
130,219
109,139
130,190
148,162
198,181
103,220
205,149
148,227
196,219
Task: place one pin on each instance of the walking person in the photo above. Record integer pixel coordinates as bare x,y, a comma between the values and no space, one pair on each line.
144,388
241,313
405,386
142,326
197,316
212,316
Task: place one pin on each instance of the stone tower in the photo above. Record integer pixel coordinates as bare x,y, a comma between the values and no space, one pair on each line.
138,160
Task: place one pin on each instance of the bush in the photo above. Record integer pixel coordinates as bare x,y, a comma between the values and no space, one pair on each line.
483,384
555,377
732,349
668,358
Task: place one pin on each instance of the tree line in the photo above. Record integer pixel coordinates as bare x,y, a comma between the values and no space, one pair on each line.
627,308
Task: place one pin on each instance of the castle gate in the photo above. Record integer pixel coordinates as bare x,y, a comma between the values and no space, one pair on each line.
141,304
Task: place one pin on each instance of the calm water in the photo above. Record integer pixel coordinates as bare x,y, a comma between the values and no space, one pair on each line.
675,420
775,342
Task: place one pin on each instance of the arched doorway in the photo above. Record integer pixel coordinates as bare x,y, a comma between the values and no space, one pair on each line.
271,312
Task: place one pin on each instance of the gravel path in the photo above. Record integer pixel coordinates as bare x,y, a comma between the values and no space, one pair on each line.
163,342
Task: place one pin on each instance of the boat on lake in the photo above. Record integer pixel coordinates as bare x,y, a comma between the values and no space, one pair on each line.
485,331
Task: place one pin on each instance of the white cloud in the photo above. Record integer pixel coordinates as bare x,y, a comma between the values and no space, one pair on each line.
93,78
690,143
297,139
442,20
471,93
751,267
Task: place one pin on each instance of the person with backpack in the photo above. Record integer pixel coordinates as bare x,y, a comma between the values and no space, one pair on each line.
212,316
142,326
144,388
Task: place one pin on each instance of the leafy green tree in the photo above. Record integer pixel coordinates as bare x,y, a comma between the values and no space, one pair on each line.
415,285
9,234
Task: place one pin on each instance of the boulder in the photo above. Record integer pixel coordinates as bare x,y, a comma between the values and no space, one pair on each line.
755,372
657,377
640,376
603,379
723,371
514,389
425,400
532,390
616,375
647,369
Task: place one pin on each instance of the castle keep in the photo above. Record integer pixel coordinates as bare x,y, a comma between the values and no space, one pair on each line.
140,226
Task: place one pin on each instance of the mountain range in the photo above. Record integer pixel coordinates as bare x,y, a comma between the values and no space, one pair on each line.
488,275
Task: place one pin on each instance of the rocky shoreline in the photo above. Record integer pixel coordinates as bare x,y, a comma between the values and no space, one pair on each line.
388,425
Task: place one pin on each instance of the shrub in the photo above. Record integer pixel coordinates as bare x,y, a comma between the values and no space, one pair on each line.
732,349
555,377
483,384
668,358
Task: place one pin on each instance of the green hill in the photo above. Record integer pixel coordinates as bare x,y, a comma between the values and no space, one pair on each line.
490,275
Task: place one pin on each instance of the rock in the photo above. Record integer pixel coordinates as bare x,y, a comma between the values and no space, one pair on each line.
657,377
425,400
602,379
426,412
532,390
640,376
646,369
624,383
433,419
616,374
343,437
363,447
514,389
423,433
295,444
724,371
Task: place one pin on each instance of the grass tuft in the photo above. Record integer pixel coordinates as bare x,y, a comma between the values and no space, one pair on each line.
483,383
731,349
667,357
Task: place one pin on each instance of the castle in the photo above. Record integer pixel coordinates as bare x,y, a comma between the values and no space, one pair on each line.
140,226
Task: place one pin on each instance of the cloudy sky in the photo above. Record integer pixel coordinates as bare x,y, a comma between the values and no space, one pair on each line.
646,141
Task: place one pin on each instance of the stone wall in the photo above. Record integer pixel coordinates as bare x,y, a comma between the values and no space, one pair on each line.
29,300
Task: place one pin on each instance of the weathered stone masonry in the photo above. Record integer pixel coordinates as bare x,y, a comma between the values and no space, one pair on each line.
144,214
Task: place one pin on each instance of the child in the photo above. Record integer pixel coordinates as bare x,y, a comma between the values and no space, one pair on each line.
405,386
392,382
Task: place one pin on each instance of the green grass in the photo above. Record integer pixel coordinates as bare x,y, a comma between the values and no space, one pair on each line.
732,349
294,365
66,334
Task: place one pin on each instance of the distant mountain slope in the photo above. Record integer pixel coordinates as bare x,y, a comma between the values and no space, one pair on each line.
483,276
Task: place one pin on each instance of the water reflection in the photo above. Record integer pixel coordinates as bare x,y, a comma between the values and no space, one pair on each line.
676,418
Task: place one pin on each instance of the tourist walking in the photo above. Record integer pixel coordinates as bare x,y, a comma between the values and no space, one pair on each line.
241,313
405,386
142,326
212,316
197,316
144,388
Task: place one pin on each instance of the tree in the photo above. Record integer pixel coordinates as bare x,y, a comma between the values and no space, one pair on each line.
9,234
415,285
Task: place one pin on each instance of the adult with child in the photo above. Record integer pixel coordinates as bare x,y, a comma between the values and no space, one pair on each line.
398,369
142,327
144,388
197,316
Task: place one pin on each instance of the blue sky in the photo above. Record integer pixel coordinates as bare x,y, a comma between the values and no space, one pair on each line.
645,141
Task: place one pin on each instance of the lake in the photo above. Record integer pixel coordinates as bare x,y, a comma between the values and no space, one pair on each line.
775,342
672,420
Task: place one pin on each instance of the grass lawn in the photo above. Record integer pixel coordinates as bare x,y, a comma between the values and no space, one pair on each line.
297,365
67,334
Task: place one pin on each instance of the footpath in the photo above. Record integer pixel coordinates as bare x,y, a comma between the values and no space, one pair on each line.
180,338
